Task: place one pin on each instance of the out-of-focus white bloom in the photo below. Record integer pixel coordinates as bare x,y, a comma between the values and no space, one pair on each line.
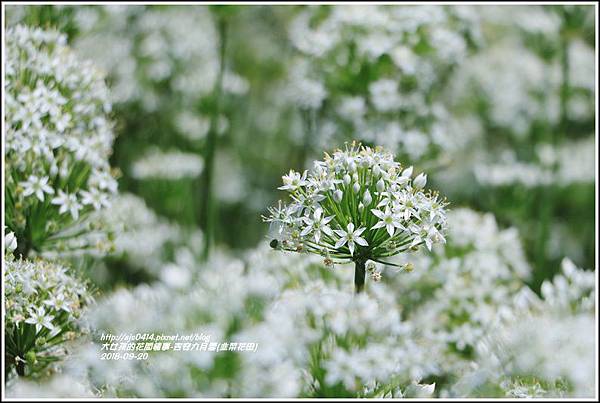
582,73
142,48
457,296
574,161
168,165
307,92
552,339
508,89
343,72
548,347
140,235
175,276
505,174
571,291
191,125
59,386
384,95
352,108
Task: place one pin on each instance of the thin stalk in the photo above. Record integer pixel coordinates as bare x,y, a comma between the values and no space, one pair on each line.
207,198
548,193
359,275
20,365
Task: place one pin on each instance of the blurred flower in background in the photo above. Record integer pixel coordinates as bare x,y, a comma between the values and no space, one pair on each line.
373,73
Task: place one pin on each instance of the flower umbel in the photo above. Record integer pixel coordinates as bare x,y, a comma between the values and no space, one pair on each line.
358,205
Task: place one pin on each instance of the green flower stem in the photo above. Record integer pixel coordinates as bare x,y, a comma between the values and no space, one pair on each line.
547,194
359,275
207,199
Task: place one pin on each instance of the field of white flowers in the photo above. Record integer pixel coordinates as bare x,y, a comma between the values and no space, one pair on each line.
335,201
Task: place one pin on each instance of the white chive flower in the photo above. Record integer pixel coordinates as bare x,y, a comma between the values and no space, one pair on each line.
357,205
58,139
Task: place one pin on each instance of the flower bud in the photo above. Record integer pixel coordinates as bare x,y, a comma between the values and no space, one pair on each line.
53,169
407,173
338,195
10,241
380,185
356,187
355,177
347,179
420,181
370,267
376,171
367,198
361,207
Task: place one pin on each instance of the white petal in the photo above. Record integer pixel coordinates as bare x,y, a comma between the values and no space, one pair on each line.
318,213
378,213
361,241
327,219
379,224
340,232
351,247
318,236
327,230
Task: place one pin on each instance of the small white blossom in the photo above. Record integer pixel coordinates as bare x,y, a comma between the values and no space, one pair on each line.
388,219
40,319
350,237
317,224
37,186
293,181
67,203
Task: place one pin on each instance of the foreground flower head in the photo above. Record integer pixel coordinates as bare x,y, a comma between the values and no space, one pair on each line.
43,304
58,138
357,205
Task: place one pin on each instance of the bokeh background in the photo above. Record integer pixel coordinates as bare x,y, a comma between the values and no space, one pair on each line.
212,104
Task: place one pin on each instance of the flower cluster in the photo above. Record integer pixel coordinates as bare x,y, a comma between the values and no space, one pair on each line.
465,290
357,205
349,345
315,337
43,302
60,387
170,165
58,138
281,302
219,303
562,321
144,48
376,73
